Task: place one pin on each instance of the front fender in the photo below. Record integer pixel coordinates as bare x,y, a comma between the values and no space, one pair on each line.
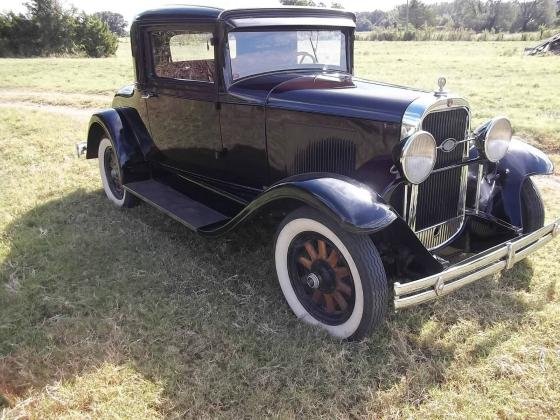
521,161
355,206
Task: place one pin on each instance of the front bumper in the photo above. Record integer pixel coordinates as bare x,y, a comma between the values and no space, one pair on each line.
492,261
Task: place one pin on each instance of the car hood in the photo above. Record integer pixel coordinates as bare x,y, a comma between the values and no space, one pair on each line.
343,95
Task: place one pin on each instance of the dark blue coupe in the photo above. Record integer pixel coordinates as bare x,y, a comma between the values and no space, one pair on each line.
383,194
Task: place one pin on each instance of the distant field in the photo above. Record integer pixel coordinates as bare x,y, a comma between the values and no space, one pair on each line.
107,313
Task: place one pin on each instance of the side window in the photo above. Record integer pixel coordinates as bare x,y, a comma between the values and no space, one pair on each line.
183,55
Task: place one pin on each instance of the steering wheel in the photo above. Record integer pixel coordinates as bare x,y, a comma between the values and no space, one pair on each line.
304,55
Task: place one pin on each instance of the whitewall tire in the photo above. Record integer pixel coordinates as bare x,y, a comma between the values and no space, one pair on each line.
111,176
329,277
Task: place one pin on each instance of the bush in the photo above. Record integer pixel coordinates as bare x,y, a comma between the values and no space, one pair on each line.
48,29
94,38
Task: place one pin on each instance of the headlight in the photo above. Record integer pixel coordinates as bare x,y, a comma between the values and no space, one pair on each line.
497,138
418,157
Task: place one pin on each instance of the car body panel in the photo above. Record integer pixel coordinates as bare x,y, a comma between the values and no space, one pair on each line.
345,96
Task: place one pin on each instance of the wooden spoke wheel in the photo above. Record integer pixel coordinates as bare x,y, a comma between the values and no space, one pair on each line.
321,278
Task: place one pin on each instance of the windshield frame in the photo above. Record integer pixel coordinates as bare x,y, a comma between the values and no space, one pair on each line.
349,46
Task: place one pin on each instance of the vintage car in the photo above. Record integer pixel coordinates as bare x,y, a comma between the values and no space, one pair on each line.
387,196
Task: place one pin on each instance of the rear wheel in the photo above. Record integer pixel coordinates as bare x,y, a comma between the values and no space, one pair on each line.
111,176
329,277
532,207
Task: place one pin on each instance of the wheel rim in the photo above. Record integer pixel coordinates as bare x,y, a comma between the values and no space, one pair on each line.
113,173
321,278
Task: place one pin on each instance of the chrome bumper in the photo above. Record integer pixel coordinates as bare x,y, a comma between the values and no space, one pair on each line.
492,261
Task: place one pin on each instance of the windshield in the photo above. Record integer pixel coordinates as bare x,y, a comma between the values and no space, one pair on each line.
260,52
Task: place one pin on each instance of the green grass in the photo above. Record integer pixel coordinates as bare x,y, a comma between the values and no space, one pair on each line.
76,75
108,313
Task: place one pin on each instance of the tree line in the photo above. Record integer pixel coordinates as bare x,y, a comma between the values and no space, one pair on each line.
476,15
47,28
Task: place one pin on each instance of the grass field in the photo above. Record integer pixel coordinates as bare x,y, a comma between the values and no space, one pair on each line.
105,313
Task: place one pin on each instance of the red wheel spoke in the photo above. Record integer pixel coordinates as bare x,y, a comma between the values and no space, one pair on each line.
311,251
305,262
344,288
340,300
329,301
322,249
341,272
333,258
317,295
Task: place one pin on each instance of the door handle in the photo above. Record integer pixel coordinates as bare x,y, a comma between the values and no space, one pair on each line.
148,94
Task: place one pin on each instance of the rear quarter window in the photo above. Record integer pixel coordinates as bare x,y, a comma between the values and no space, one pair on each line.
183,55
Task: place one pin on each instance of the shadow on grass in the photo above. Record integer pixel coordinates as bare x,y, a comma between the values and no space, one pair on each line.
85,283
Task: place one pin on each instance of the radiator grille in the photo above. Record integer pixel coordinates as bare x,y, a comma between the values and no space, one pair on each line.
438,207
445,125
438,198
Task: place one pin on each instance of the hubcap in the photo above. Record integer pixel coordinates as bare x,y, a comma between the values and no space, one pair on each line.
321,278
313,280
112,173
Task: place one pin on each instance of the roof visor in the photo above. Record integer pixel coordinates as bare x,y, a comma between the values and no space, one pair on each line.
291,21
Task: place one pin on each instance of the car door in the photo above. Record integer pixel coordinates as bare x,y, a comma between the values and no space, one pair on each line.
181,97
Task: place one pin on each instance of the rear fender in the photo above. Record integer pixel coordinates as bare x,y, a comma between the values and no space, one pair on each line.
125,129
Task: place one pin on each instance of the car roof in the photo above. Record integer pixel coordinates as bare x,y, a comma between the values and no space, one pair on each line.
179,12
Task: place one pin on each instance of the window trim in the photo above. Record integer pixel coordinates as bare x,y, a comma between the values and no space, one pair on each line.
195,27
348,34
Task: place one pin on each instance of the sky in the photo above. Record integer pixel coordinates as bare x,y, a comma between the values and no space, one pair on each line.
129,8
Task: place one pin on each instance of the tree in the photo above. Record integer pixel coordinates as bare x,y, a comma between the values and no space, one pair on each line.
47,28
309,3
115,21
363,24
419,14
472,14
533,14
54,25
95,38
501,16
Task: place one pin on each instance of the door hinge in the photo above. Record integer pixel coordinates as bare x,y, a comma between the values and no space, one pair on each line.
220,153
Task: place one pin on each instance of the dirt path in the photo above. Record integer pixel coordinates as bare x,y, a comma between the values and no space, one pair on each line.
78,113
75,105
52,96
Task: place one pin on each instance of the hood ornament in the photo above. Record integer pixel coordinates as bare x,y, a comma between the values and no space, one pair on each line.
442,81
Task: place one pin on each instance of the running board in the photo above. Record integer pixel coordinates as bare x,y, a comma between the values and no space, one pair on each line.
185,210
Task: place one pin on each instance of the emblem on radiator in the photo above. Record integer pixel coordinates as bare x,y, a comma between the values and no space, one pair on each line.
448,145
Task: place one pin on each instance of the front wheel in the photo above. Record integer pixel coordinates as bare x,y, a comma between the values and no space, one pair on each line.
329,277
532,207
111,176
